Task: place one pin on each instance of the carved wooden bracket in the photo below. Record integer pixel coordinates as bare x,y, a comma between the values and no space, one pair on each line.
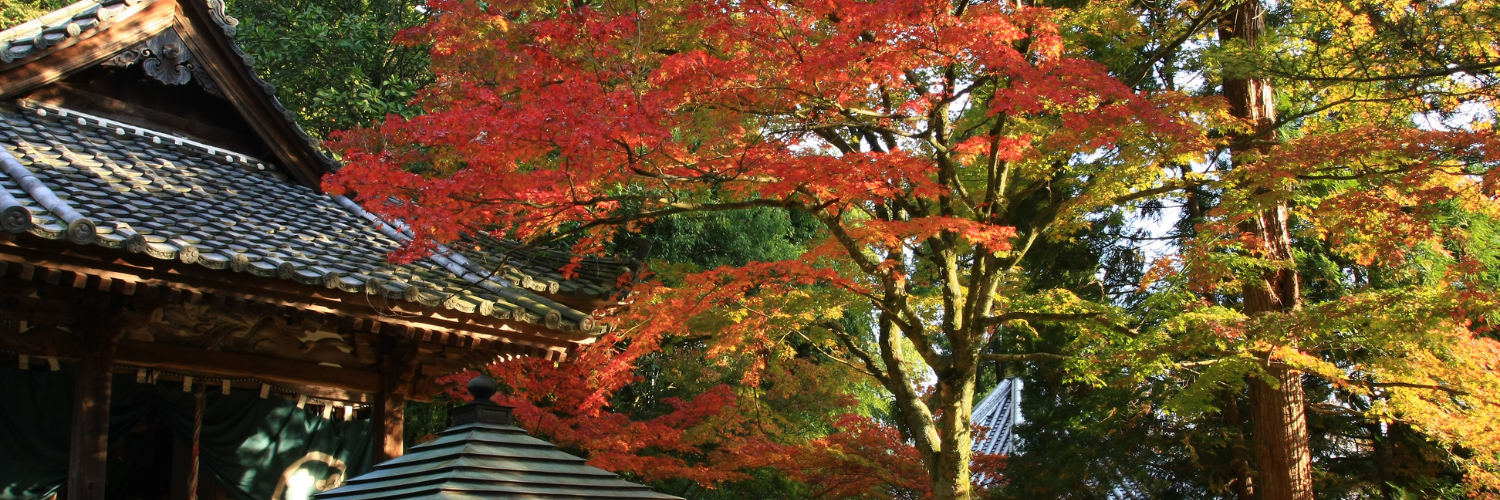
166,58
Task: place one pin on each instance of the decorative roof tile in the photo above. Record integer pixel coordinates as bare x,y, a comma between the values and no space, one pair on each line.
92,181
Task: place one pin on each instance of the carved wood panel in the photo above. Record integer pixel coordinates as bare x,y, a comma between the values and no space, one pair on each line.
204,326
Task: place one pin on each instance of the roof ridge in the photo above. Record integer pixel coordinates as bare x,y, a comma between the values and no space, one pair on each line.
55,27
13,216
81,230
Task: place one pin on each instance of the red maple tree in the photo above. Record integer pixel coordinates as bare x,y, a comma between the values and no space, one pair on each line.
934,141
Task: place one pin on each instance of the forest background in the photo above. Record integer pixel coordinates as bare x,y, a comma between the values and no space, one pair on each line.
1338,220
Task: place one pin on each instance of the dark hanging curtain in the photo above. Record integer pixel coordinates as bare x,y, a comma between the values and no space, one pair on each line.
256,448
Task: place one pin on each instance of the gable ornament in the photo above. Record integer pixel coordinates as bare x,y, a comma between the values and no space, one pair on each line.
166,58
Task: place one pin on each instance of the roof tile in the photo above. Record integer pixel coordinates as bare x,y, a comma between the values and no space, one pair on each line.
92,181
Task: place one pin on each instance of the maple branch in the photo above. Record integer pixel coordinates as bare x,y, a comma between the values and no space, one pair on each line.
1328,409
1097,318
1374,173
851,246
1286,120
890,309
1451,391
1163,189
676,208
847,339
1043,220
1033,356
853,112
831,135
1433,73
1034,316
896,298
981,298
953,320
997,171
707,177
918,415
1211,12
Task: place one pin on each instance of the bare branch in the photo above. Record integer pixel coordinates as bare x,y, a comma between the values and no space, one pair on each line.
1097,318
1449,390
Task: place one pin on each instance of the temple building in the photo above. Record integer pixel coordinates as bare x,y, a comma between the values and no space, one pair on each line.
183,312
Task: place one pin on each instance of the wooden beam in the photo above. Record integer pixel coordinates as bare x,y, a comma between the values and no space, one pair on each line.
389,425
179,358
179,277
397,360
90,446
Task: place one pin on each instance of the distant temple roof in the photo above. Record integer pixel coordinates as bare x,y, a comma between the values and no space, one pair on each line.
997,415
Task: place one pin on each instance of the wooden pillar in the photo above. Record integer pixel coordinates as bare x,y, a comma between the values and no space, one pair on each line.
389,416
91,419
389,421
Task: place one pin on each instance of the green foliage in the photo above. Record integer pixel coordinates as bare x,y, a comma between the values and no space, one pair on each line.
13,12
709,240
425,420
333,61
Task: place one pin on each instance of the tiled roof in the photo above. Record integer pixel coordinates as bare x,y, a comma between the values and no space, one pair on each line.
79,19
486,461
998,413
34,36
483,457
92,181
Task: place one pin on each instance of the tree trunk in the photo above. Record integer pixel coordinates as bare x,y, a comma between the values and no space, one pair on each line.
1277,407
1239,464
950,475
1281,444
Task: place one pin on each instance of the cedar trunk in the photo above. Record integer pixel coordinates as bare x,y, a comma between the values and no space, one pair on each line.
1281,445
1277,406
